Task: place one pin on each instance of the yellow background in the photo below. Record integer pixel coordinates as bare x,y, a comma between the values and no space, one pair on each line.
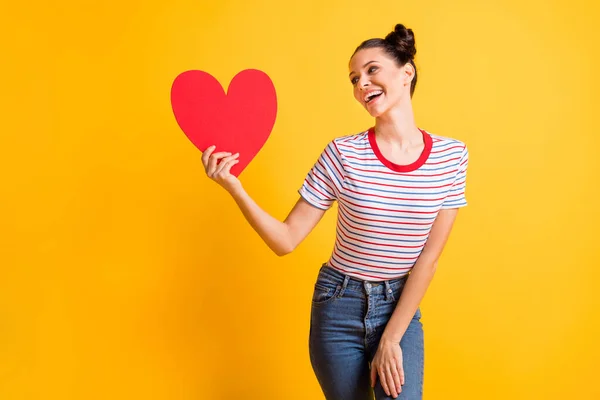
126,273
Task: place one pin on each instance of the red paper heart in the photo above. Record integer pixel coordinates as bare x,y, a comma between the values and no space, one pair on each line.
239,121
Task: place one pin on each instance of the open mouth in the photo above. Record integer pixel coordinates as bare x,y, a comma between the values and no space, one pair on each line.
371,97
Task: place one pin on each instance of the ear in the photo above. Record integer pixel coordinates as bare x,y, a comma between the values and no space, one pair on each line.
408,73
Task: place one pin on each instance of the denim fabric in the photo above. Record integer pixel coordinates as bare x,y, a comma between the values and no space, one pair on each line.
348,317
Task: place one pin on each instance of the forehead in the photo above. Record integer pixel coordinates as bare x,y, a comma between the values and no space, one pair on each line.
364,56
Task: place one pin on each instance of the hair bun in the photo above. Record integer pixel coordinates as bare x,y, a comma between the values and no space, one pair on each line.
403,39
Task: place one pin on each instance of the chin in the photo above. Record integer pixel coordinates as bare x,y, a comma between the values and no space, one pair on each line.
374,114
376,111
379,108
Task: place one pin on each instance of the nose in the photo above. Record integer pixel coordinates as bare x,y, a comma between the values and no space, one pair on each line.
364,82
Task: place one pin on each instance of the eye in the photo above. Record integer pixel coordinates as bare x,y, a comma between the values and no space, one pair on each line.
354,80
372,69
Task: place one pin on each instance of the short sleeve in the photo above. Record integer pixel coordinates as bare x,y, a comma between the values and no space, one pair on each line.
456,197
324,181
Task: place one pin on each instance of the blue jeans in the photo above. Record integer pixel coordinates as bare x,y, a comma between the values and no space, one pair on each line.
348,316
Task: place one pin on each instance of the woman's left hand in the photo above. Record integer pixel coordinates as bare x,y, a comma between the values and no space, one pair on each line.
387,363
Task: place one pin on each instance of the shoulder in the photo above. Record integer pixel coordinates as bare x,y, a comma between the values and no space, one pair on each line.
449,149
446,142
448,145
350,143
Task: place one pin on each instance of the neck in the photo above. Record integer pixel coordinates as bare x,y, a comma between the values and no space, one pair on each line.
398,127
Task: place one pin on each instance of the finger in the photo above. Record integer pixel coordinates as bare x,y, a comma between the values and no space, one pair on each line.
225,171
391,380
212,161
395,376
218,156
224,162
400,368
373,375
383,380
206,155
230,164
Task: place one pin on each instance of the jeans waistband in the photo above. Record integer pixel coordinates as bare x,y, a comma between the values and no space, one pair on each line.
334,275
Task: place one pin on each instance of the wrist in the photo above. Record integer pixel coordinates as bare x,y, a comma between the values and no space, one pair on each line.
236,190
390,338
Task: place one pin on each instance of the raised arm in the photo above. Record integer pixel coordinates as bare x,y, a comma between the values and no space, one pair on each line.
281,236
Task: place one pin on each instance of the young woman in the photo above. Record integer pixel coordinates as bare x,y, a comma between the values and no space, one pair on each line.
398,189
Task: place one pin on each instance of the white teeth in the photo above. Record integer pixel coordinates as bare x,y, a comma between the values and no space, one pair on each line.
371,94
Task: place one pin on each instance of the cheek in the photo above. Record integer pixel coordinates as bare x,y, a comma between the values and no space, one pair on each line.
393,83
395,88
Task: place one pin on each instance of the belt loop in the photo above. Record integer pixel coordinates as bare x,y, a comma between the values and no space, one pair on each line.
346,279
368,287
388,291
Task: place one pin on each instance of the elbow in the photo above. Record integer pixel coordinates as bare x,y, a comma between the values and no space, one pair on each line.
284,248
284,251
285,245
429,262
428,265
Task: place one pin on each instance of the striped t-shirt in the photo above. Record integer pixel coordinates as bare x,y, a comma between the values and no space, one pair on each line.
385,210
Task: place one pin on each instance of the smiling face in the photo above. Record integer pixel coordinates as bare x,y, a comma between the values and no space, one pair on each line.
379,83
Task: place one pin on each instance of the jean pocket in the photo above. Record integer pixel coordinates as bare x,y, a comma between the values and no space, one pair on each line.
325,293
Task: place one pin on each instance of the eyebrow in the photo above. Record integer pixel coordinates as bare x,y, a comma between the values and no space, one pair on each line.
367,63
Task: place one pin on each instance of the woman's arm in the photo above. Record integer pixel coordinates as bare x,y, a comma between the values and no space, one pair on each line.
281,237
387,363
420,276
